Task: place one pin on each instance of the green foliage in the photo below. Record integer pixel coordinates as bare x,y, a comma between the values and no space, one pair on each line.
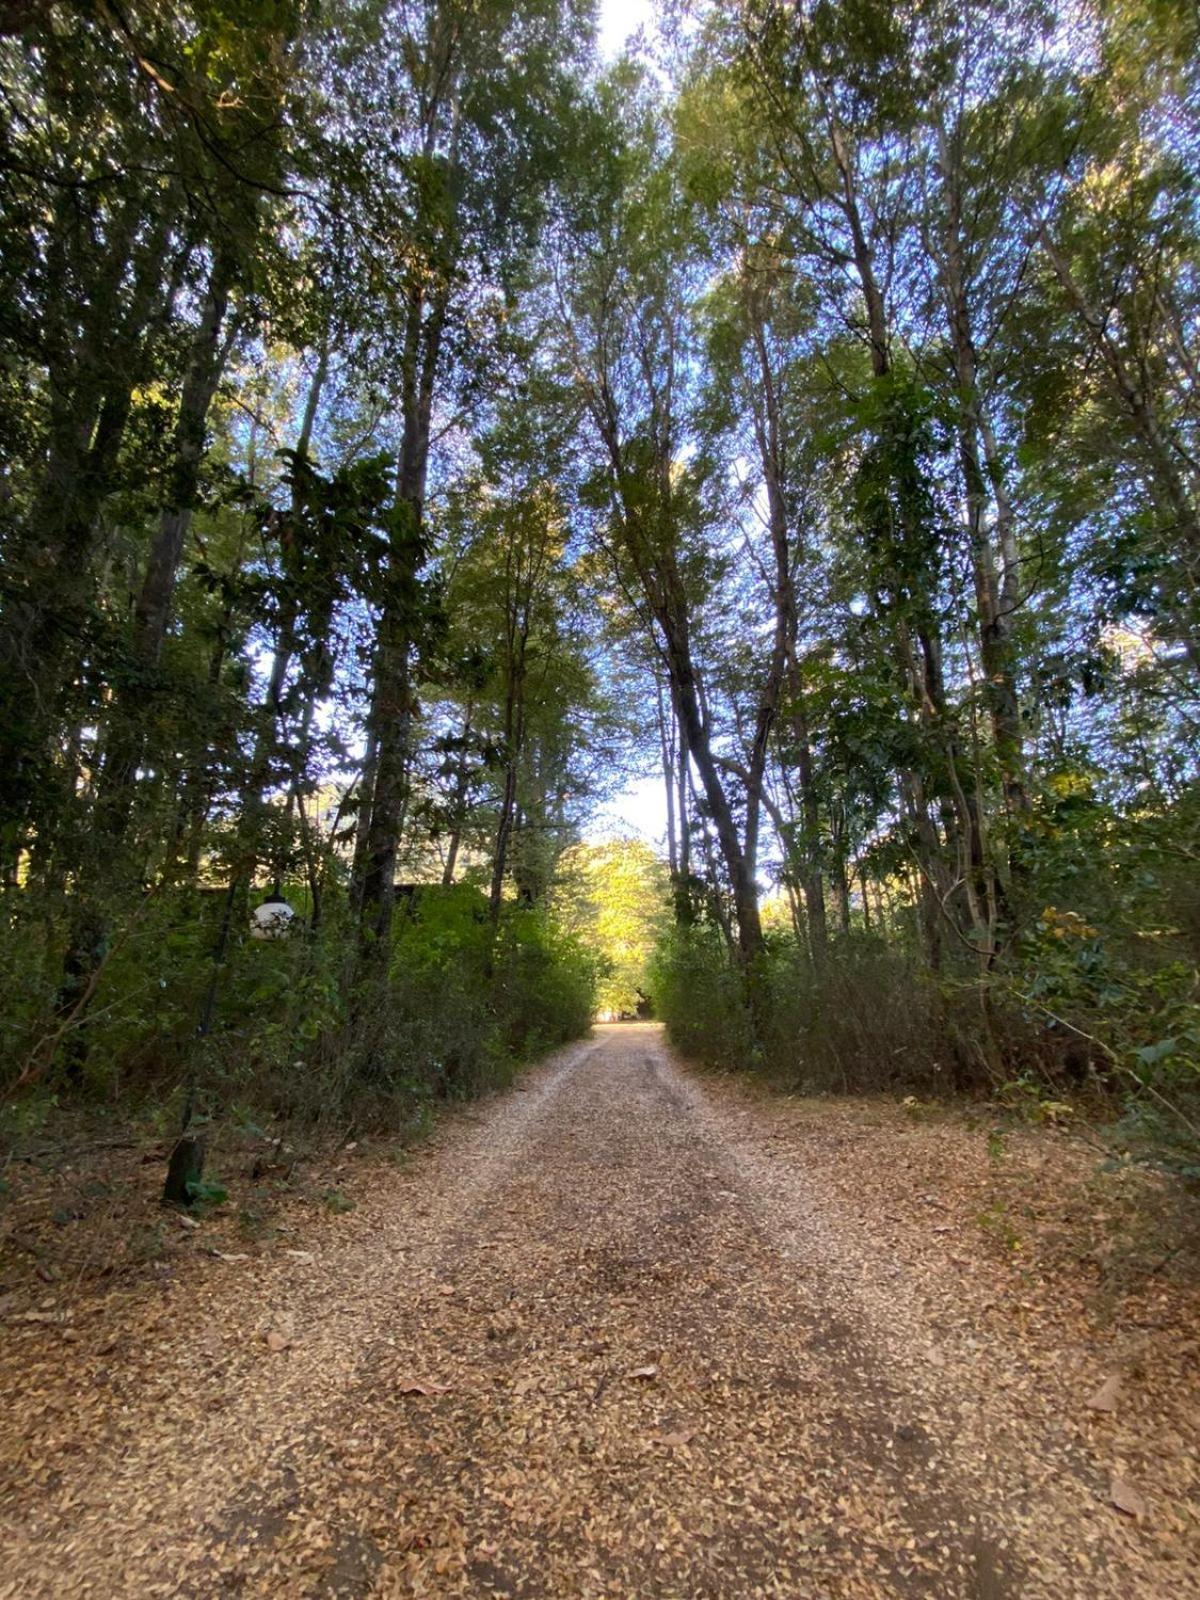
373,378
207,1192
1072,1014
545,985
869,1021
460,1007
699,997
614,898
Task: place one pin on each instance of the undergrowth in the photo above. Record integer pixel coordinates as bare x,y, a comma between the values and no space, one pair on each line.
1069,1026
284,1033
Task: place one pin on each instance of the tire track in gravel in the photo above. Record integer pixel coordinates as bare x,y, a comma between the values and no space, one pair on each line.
198,1407
646,1379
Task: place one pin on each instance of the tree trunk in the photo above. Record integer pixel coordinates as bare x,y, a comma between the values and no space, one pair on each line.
514,736
996,598
269,738
90,405
668,769
153,610
783,667
814,882
459,802
392,705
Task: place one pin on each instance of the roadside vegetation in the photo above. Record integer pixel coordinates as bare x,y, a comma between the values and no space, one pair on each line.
413,427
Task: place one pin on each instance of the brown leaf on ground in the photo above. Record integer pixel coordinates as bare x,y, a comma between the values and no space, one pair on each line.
645,1373
791,1320
1105,1397
1126,1498
421,1386
676,1438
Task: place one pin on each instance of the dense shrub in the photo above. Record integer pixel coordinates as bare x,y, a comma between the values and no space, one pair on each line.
544,988
872,1020
1071,1014
293,1032
698,996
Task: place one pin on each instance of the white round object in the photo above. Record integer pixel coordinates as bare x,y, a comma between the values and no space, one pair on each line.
271,920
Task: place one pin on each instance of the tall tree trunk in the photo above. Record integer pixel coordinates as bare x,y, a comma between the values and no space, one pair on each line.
459,799
152,612
514,733
90,404
362,821
392,703
769,434
995,597
920,672
683,895
810,811
716,896
269,739
209,355
738,864
662,584
107,869
665,741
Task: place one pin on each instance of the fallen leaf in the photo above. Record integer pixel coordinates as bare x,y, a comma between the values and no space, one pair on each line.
300,1255
277,1341
226,1255
188,1222
1126,1498
644,1372
422,1386
676,1438
1105,1397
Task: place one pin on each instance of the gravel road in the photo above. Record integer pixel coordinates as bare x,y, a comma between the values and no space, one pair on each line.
599,1338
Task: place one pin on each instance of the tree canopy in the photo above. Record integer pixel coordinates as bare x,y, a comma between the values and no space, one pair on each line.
412,426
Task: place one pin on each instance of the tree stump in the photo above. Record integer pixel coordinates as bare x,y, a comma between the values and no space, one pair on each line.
185,1168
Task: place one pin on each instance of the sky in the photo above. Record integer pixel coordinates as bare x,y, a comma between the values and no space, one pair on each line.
618,19
641,807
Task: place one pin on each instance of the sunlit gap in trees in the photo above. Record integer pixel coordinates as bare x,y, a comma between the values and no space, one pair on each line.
618,20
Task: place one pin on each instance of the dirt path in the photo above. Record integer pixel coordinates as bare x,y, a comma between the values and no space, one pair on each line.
657,1361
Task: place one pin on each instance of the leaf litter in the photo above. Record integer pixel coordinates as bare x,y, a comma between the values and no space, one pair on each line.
833,1405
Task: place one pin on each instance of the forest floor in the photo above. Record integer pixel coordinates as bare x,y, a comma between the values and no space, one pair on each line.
625,1331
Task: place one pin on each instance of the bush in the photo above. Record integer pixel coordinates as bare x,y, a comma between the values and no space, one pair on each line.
700,998
1070,1014
871,1020
295,1034
545,985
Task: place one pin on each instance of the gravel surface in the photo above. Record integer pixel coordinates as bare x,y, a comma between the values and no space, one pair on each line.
604,1336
